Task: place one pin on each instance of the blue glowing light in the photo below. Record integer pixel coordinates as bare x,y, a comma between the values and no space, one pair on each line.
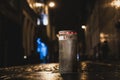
42,49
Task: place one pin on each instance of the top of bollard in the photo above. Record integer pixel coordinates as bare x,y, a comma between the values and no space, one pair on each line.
67,32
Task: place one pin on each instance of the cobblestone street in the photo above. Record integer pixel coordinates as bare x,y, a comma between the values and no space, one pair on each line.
87,71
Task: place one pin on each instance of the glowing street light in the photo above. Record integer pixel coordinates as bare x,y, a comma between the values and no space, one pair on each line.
51,4
38,4
83,27
115,3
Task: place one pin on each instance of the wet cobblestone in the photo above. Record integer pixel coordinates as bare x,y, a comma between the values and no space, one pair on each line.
87,71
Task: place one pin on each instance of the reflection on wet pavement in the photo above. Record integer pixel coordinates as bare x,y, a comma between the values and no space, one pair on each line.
84,76
87,71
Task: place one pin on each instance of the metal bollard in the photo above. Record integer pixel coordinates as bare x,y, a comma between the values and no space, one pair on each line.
67,51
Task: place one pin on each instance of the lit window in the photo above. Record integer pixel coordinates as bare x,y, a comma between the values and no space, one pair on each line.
38,21
45,20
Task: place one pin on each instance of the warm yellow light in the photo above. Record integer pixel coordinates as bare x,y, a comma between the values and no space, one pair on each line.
51,4
38,4
115,3
102,35
102,40
30,2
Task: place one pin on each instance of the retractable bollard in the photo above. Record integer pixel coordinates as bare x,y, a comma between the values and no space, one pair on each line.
68,52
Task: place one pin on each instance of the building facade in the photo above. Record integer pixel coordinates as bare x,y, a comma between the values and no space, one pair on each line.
103,25
17,32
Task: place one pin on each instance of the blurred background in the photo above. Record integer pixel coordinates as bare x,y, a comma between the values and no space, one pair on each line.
29,28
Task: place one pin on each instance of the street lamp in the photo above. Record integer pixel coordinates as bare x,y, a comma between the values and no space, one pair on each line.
39,5
51,4
84,27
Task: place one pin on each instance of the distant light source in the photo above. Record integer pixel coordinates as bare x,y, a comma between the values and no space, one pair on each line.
83,27
115,3
38,4
103,37
45,19
51,4
38,21
25,57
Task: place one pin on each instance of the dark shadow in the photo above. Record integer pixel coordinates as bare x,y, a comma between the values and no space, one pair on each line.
70,76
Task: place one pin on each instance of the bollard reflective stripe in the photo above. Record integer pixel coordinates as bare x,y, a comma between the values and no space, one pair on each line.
64,35
67,51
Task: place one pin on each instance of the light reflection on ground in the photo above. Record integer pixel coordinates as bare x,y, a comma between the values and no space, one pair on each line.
84,76
42,76
87,71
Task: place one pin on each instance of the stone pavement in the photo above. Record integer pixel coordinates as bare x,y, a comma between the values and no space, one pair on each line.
87,71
